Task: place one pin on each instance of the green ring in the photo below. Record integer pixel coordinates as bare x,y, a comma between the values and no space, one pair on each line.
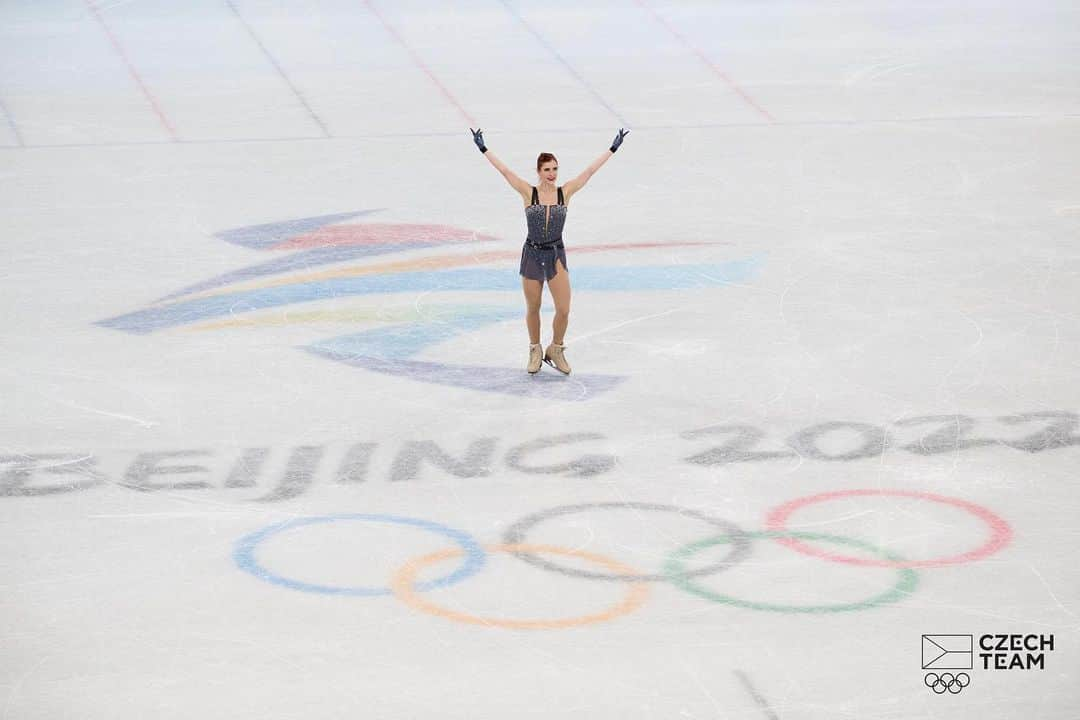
905,584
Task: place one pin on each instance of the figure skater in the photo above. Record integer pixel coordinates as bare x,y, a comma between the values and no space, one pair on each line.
543,256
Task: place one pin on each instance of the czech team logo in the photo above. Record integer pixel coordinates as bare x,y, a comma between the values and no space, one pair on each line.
329,260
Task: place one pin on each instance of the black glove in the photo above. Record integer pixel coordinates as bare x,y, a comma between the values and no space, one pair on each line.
618,139
478,138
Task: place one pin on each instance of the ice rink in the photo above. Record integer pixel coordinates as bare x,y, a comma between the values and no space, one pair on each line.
269,449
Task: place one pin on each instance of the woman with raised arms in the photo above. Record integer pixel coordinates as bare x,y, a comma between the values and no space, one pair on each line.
543,256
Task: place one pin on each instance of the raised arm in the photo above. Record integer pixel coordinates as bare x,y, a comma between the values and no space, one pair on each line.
577,183
523,188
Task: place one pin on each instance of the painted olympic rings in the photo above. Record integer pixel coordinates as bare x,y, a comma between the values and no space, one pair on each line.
947,681
404,586
904,586
1000,532
244,554
740,543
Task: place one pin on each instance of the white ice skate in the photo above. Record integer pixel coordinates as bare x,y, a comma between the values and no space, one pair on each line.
554,357
535,358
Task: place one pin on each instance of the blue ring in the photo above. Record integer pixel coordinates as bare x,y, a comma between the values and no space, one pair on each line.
244,554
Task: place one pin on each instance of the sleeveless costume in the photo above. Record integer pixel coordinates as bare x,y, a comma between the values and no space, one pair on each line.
544,243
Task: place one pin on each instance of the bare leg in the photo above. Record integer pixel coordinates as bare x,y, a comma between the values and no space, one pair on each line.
559,286
534,293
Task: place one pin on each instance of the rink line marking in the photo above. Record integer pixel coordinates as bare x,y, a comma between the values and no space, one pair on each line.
17,686
130,516
560,130
420,63
132,71
601,331
873,71
709,63
581,79
1051,592
277,66
119,416
762,703
11,123
701,686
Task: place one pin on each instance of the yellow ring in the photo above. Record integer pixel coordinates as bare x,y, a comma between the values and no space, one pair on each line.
405,578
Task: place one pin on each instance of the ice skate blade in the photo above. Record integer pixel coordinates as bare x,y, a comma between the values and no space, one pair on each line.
554,366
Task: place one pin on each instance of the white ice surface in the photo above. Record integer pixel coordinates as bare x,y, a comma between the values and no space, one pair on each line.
898,179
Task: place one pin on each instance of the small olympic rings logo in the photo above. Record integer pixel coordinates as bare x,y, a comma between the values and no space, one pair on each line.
947,681
734,544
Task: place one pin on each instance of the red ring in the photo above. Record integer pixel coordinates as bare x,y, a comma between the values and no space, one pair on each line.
1000,535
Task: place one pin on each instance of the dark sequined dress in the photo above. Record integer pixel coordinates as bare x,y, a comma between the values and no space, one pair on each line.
544,244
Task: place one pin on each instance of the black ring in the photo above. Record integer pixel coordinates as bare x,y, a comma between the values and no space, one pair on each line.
740,541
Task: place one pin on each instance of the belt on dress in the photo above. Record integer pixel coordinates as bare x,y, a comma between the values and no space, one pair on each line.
545,246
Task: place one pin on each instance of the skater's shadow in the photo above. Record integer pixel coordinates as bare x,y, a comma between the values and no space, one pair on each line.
389,349
548,384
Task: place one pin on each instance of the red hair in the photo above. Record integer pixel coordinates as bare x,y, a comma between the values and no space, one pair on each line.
544,157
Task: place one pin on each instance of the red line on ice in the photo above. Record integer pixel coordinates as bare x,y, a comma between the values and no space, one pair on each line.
131,69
